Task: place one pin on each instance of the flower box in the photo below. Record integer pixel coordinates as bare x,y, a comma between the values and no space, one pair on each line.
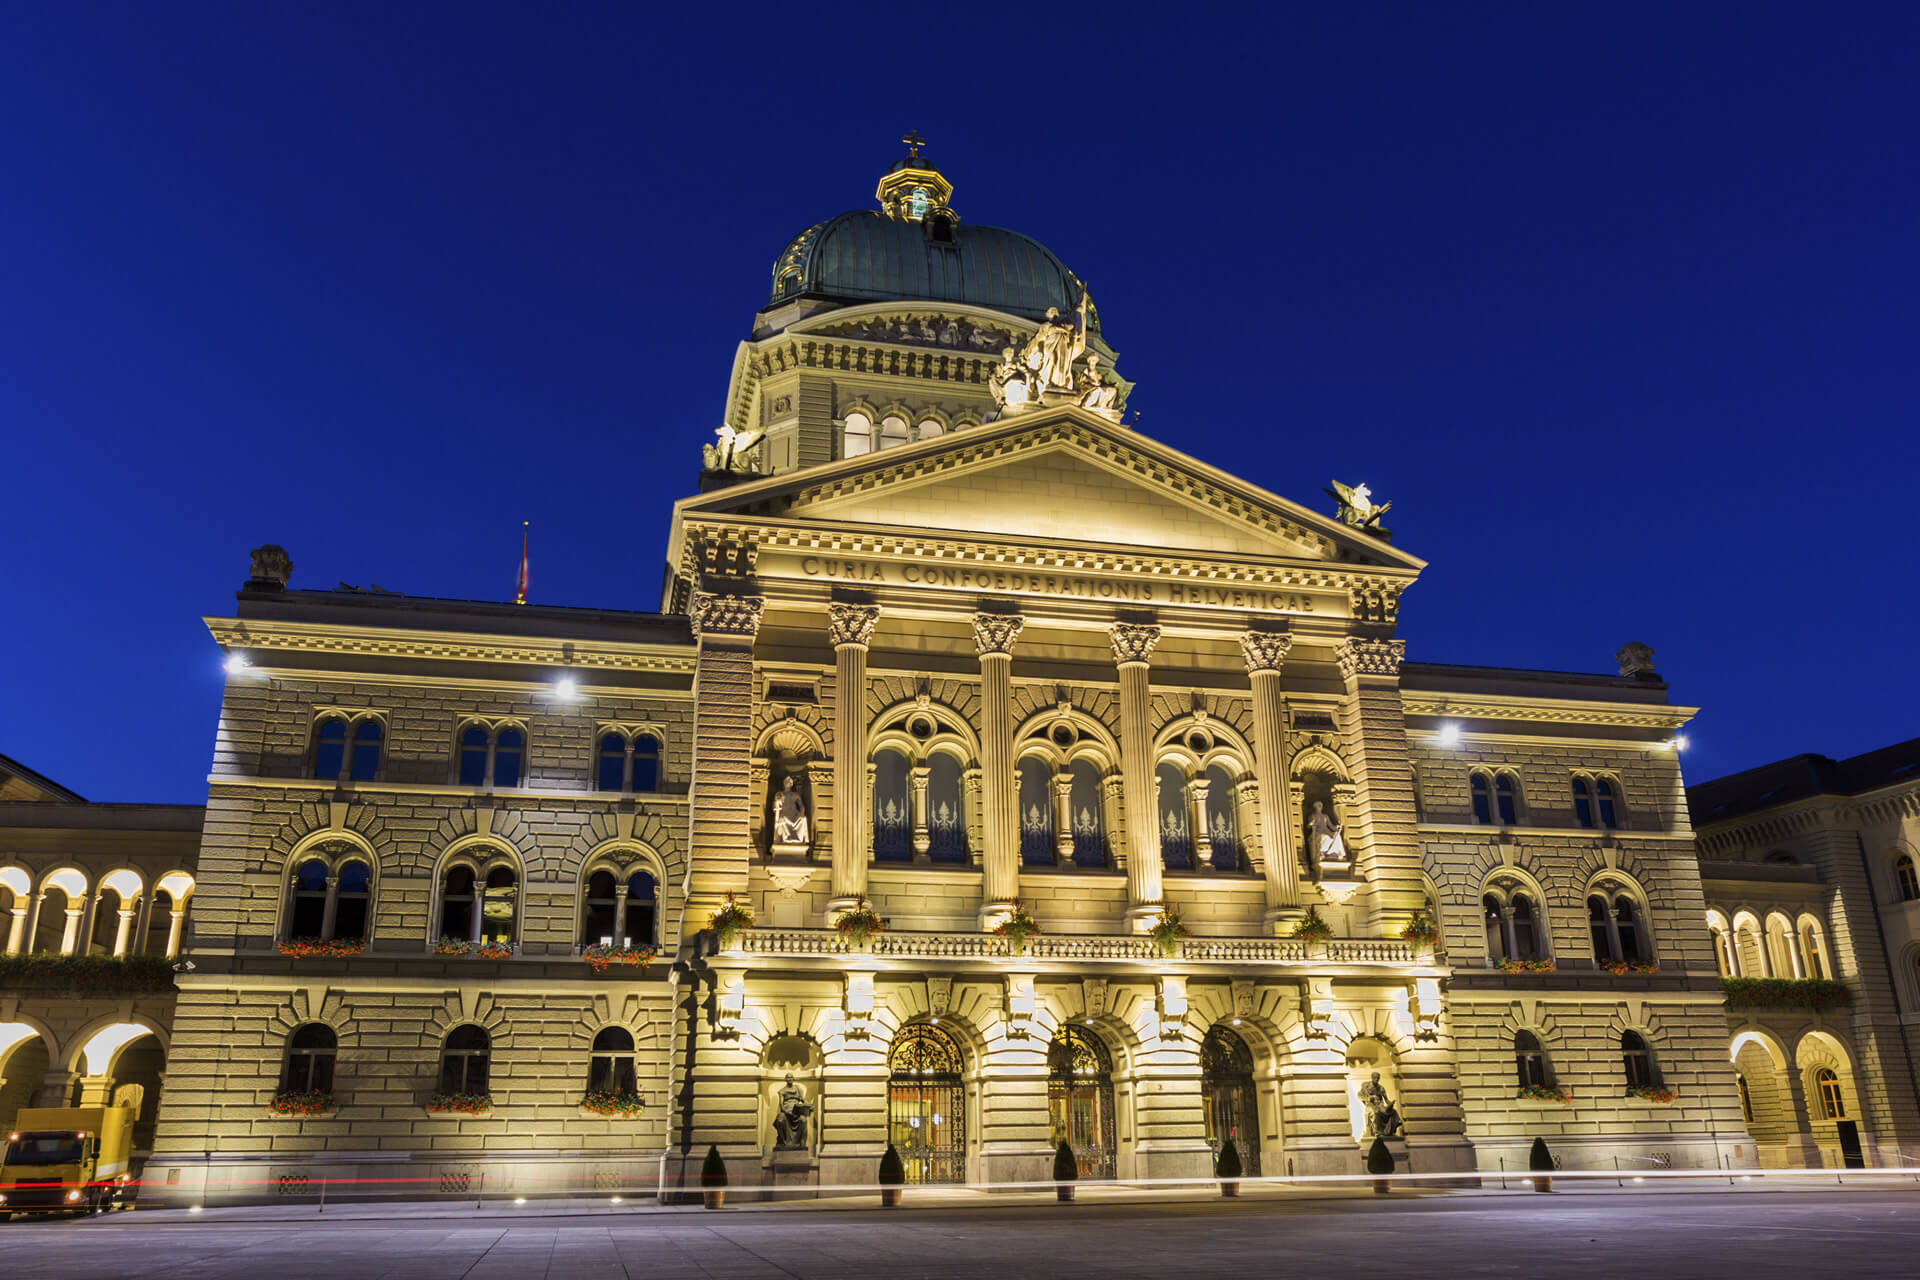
1313,928
623,1104
600,957
86,975
1167,933
482,950
1786,993
1546,1093
460,1104
303,1103
1651,1093
1621,968
1527,966
335,948
1421,931
729,922
1019,928
860,924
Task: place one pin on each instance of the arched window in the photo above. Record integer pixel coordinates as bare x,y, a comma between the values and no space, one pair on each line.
1038,845
310,1053
642,909
330,748
1482,789
1089,815
1636,1060
858,436
159,922
1812,950
1832,1105
1515,930
499,906
610,1069
613,762
1526,927
1496,923
1627,927
646,763
308,911
930,427
1722,947
1583,802
509,747
1223,820
457,904
1529,1060
1506,798
1080,1099
367,736
893,431
1905,878
1607,794
1746,1098
476,744
597,912
463,1062
946,818
1229,1097
892,808
1613,922
353,895
1176,839
926,1104
1600,926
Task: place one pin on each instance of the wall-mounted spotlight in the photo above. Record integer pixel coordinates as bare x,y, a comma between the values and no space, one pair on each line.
566,688
1450,733
237,663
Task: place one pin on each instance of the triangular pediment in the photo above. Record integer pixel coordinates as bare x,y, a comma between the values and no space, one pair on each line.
1063,476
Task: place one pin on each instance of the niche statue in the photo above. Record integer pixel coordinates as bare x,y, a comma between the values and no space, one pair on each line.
790,815
790,1117
1383,1115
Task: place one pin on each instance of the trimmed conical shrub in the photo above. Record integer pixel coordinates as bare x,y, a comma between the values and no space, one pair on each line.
1228,1165
892,1172
1540,1160
1065,1167
713,1170
1379,1158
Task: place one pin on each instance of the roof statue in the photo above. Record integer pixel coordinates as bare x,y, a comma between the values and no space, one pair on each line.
1357,508
734,451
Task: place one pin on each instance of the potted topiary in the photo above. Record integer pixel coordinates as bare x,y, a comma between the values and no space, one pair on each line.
1065,1170
1540,1161
892,1175
713,1179
1379,1164
1227,1169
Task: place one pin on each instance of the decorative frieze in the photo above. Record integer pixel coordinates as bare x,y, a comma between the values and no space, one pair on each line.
728,615
1362,657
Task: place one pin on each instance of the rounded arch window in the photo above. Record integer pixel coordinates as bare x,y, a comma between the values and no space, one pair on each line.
1087,814
310,1055
643,910
1038,846
499,908
613,761
1636,1060
1833,1106
930,427
857,437
923,1050
597,909
1229,1101
1223,821
353,895
1080,1100
309,904
1906,878
1482,792
330,748
926,1104
892,807
457,902
1176,824
465,1059
610,1068
1529,1061
893,431
946,818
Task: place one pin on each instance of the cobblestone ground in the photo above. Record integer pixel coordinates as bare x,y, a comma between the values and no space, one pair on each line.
1732,1235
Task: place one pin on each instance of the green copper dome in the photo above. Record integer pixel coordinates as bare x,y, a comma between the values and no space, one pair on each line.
867,256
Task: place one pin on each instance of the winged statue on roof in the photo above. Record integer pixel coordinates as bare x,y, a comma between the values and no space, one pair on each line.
1357,507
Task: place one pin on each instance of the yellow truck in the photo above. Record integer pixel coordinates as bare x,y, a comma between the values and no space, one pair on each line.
70,1159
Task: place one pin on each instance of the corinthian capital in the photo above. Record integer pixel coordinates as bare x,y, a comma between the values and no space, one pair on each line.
1133,641
1264,650
851,623
726,615
996,632
1370,657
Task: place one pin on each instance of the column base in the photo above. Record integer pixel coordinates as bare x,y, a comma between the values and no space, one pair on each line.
1142,918
836,905
1279,921
993,914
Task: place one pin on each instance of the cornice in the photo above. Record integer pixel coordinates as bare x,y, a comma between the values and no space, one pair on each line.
1545,710
1812,813
516,799
440,646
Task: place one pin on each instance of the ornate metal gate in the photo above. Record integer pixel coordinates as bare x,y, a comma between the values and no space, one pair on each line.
1228,1097
926,1105
1080,1100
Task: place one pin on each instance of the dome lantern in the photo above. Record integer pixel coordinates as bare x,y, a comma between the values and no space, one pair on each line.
912,190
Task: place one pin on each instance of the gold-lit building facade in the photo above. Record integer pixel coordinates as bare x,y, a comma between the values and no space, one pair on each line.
1172,840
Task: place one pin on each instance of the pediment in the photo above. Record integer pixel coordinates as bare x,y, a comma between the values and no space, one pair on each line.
1064,476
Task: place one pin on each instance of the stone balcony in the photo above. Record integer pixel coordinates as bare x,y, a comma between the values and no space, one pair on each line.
802,944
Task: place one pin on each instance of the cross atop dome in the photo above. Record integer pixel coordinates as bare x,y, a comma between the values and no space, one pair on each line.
912,190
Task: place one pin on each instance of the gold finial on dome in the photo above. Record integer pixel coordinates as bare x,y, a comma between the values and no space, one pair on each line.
912,190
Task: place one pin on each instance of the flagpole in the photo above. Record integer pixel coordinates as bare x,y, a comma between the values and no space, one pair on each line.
520,588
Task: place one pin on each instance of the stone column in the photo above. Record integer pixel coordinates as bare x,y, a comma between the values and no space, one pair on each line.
331,910
1264,652
1132,646
56,1088
850,626
1197,789
17,929
1382,835
176,922
1063,818
620,891
71,936
96,1091
719,847
922,838
123,930
33,920
994,635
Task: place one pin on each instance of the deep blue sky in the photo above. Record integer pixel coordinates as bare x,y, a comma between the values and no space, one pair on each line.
1615,302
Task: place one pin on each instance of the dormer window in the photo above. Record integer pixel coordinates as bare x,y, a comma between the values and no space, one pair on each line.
918,205
940,229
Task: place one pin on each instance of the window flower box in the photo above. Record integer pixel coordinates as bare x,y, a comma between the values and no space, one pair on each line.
1527,966
459,1104
1656,1093
305,1104
1785,993
86,975
600,957
483,950
1167,932
622,1104
334,948
1019,928
729,922
1548,1093
1621,968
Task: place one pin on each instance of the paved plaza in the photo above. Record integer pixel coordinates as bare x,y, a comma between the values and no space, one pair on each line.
1678,1232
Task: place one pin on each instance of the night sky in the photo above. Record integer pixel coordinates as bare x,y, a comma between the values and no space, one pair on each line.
1615,302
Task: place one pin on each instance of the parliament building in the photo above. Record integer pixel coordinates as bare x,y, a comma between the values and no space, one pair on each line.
992,775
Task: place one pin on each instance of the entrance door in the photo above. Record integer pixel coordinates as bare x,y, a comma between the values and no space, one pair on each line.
926,1105
1226,1091
1080,1100
1851,1157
